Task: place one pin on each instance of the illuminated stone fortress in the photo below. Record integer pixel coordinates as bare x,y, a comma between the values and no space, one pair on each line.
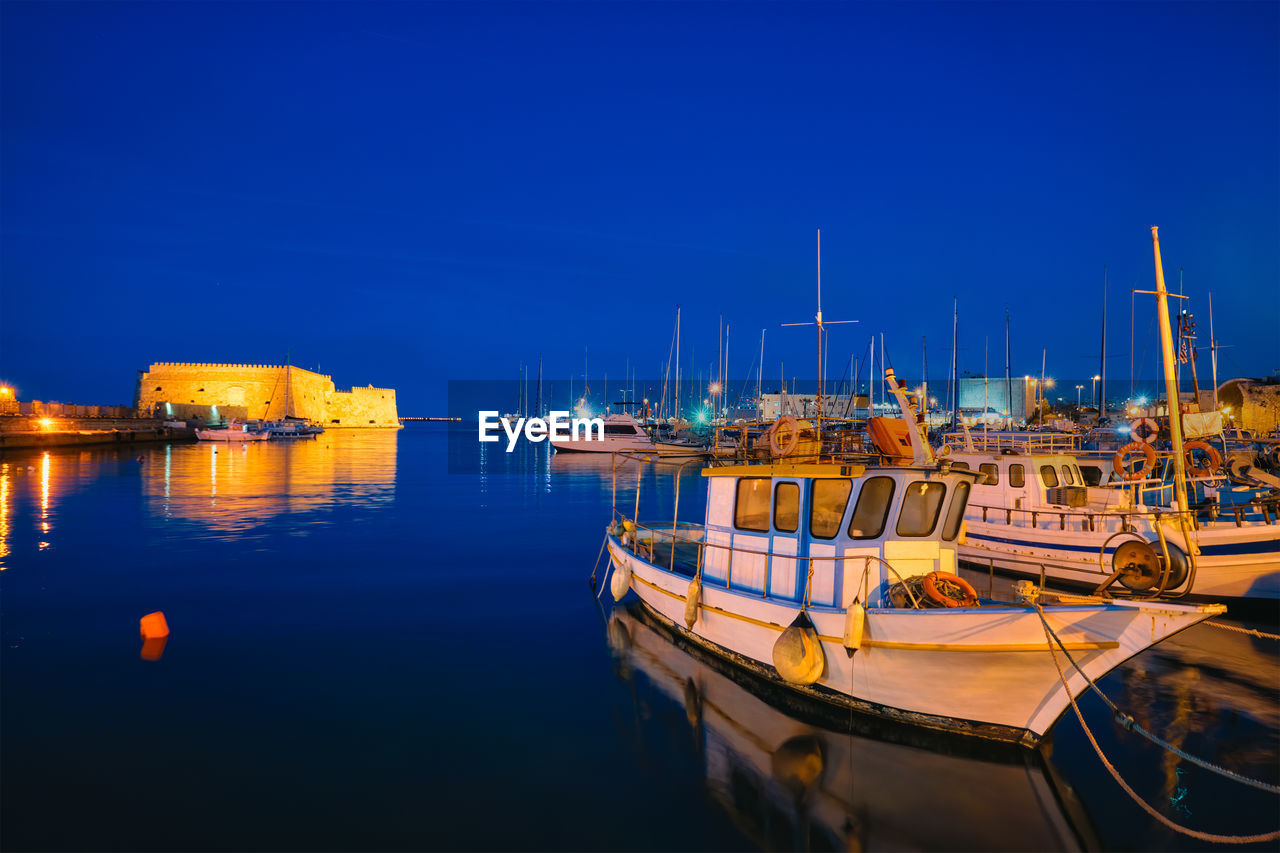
266,391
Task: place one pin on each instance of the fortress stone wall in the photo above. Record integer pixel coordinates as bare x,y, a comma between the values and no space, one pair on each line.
266,391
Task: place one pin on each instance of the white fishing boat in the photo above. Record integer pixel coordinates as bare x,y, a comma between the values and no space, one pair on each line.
234,431
1034,514
814,577
622,433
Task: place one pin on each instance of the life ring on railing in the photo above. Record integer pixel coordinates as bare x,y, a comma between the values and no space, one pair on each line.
1148,453
941,588
1215,458
784,446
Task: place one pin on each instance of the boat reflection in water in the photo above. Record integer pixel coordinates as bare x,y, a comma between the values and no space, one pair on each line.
232,489
791,782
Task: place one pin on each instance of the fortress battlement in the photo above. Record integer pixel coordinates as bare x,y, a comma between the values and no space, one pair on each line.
266,391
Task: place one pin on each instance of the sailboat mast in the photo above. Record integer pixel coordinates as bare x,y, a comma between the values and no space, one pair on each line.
1008,375
1170,378
1213,353
955,363
677,400
819,319
1102,367
724,376
760,378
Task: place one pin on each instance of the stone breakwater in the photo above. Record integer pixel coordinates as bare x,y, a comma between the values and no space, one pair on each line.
263,391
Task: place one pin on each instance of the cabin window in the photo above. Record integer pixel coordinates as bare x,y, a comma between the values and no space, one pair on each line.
955,512
1067,476
920,507
992,470
1017,476
752,509
1049,476
1091,475
619,429
830,497
960,466
872,509
786,507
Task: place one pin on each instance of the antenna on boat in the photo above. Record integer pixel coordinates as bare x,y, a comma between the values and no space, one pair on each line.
818,321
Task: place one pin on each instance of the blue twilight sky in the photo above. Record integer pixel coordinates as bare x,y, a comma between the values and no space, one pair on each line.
405,193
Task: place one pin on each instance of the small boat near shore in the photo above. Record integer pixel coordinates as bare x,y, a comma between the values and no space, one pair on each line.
234,431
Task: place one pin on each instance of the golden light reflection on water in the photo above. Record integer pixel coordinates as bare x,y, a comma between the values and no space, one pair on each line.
4,514
223,488
234,487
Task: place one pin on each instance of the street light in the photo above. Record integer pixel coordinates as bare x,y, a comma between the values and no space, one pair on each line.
1079,388
1094,392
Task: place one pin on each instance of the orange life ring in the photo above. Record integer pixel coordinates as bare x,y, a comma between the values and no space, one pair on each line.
1117,461
933,583
1215,459
792,427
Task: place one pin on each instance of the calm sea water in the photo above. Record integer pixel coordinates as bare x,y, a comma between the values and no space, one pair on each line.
368,652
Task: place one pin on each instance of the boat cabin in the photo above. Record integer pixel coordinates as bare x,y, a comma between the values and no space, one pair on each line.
827,534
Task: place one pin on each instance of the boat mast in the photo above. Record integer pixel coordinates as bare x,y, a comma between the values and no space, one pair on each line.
677,399
986,360
924,382
724,376
1008,376
1102,371
538,402
1213,353
955,364
1044,354
760,379
1170,378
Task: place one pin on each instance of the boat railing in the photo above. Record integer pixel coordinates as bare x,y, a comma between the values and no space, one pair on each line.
1094,520
988,441
645,537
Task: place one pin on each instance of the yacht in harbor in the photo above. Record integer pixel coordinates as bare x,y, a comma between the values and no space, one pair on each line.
622,434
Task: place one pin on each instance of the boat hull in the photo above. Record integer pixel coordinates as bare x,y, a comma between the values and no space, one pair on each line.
984,672
230,435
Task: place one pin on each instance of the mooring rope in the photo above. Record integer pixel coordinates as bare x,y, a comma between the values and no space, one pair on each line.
1129,723
1250,631
592,582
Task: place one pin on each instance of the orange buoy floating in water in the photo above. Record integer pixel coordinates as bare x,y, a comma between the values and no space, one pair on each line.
155,633
154,626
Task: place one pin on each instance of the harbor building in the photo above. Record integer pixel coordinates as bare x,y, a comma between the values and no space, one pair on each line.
260,391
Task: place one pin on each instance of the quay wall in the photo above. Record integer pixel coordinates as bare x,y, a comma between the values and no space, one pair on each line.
266,391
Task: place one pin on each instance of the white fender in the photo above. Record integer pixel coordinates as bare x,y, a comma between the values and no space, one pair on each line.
855,622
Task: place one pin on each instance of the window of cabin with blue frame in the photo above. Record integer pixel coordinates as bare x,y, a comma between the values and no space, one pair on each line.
872,509
751,511
826,511
786,507
920,507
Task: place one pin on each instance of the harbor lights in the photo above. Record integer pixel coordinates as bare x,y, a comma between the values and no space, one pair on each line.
1094,392
1079,388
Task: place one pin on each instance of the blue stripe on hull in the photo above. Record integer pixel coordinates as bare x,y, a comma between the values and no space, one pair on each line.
1271,546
